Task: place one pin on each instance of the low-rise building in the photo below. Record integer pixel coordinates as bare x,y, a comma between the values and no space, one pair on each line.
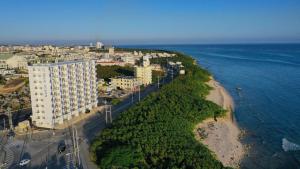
125,82
7,72
128,60
111,50
10,61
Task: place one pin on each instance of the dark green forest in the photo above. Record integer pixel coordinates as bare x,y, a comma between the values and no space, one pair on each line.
158,131
106,72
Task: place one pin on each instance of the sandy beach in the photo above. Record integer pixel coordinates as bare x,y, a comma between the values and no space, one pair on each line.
221,136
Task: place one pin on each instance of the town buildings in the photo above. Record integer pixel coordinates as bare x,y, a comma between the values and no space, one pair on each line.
61,91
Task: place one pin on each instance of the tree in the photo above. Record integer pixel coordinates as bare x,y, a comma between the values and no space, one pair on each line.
2,80
106,72
157,132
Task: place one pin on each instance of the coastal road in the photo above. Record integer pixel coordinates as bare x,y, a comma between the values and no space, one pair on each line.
41,147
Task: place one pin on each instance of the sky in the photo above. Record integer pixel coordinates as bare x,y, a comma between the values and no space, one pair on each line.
150,21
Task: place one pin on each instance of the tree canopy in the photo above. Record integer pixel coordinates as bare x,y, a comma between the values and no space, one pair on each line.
106,72
158,131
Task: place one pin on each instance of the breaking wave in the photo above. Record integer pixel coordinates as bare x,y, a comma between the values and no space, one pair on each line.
289,146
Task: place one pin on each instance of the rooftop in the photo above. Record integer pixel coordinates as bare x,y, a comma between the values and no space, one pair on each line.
59,63
123,77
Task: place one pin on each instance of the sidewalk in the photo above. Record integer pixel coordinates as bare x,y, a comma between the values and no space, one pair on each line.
79,118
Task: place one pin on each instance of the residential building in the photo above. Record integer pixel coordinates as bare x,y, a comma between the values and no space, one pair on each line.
111,50
99,45
125,82
10,61
128,60
61,91
7,72
144,73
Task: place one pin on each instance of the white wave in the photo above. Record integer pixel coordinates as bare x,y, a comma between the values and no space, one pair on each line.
289,146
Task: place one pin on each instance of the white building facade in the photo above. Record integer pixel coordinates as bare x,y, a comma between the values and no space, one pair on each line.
61,91
144,73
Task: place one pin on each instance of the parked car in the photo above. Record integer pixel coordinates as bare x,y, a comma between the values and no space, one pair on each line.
11,133
24,162
61,147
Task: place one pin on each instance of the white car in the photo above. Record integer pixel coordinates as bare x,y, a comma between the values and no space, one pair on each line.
24,162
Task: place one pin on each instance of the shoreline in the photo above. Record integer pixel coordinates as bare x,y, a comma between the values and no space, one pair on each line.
222,137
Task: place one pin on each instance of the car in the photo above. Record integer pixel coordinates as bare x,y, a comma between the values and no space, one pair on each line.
24,162
11,133
62,147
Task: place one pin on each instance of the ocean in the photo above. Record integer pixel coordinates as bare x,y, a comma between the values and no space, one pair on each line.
264,81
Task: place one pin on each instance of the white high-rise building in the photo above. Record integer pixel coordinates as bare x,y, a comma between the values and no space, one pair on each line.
99,45
61,91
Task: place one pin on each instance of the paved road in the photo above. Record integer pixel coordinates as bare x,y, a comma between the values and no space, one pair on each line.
41,147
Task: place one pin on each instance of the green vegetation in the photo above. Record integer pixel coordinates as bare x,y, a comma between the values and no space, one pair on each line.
158,131
106,72
2,80
115,101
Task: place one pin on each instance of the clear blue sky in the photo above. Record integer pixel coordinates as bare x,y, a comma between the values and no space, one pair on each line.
150,21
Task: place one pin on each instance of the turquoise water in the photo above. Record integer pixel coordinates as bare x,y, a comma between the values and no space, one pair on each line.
268,106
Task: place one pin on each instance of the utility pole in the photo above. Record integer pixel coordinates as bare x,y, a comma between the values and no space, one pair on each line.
108,114
77,147
11,125
139,93
132,90
4,128
157,81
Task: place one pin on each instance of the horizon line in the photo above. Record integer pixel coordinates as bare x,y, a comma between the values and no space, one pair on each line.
87,43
